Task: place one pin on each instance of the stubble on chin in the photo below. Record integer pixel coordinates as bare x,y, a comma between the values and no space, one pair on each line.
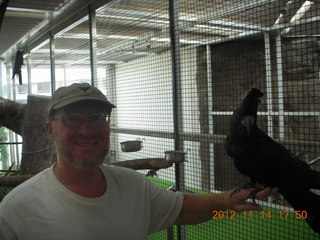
82,163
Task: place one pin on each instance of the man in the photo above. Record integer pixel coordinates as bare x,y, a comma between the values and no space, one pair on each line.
81,198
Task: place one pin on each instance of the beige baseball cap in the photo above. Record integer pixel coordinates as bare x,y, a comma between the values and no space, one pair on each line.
76,92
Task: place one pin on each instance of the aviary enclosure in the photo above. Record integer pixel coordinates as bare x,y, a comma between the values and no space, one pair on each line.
176,70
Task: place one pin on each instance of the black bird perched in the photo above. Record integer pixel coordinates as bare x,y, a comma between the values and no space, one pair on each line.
17,66
269,163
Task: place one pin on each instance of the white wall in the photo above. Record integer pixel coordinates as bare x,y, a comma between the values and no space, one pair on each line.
144,101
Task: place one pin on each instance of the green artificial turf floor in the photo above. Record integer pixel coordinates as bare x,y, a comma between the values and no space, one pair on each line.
271,224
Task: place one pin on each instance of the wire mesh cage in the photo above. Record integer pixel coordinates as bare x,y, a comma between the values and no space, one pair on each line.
176,70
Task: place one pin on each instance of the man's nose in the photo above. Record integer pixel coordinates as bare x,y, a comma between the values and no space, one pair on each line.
86,127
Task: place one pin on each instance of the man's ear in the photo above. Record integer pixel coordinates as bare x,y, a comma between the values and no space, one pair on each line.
49,129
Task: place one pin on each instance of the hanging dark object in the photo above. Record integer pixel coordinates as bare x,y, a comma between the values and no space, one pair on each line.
17,66
3,7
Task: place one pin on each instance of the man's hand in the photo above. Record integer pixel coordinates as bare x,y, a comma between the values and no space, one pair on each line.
198,208
237,200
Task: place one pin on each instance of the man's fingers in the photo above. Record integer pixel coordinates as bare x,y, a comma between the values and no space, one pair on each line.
266,192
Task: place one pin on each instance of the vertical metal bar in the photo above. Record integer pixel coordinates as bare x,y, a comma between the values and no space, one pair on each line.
176,77
64,75
268,82
1,80
177,96
52,62
111,83
17,162
111,94
211,130
9,81
170,233
93,44
10,84
3,162
28,57
280,86
13,136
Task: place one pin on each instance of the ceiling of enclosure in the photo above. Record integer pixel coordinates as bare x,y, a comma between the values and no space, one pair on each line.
22,17
128,29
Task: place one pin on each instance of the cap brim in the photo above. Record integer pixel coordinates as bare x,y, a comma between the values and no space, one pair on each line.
81,99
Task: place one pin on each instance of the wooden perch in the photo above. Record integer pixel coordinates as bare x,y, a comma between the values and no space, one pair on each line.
13,181
137,164
147,163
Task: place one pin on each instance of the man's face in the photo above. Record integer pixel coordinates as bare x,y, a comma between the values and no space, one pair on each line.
83,146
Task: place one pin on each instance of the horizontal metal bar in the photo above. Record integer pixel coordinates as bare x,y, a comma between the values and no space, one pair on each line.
211,138
314,161
149,133
271,113
10,143
5,171
197,137
170,135
27,10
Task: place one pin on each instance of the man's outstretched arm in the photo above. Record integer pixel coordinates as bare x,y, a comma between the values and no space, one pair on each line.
198,208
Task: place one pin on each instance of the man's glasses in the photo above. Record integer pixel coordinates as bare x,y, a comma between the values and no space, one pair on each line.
74,120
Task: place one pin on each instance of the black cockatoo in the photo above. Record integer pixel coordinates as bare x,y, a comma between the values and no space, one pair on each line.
17,66
269,163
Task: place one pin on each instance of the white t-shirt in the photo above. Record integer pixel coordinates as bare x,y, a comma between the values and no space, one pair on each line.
131,208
